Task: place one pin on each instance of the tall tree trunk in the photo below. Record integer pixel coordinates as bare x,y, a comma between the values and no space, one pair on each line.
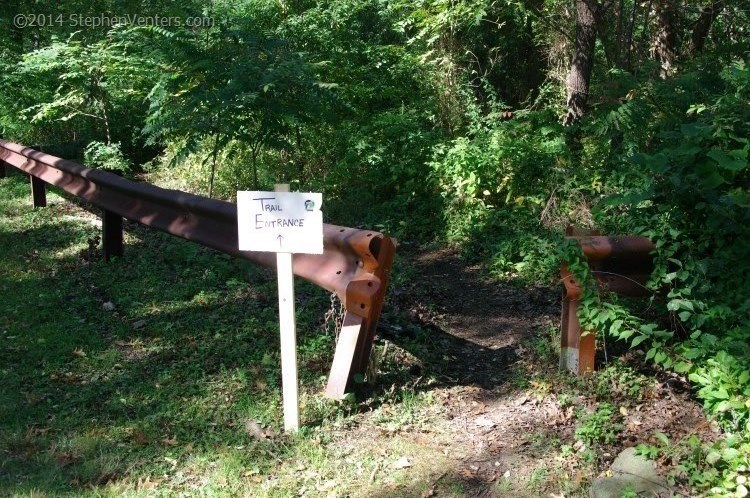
577,84
298,158
214,155
703,26
105,116
665,43
620,34
629,37
254,154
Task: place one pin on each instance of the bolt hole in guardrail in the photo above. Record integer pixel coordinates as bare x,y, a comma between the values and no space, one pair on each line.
213,223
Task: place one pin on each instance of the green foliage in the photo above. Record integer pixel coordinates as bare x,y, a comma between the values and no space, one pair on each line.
231,85
717,469
599,427
619,381
486,45
98,86
109,157
372,163
507,191
695,209
689,194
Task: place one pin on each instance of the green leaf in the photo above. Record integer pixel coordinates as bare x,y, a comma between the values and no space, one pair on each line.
730,454
681,367
698,378
723,406
709,176
713,457
662,438
637,340
720,393
727,162
676,304
648,328
693,353
740,197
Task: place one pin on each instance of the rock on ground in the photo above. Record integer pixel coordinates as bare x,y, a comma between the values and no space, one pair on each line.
634,473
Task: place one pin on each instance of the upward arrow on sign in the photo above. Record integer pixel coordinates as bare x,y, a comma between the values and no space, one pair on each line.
281,239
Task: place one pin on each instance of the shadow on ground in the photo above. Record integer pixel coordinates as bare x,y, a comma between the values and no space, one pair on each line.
465,327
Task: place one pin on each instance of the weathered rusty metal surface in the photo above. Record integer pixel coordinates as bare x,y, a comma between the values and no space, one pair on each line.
349,265
577,349
622,250
619,264
385,251
357,335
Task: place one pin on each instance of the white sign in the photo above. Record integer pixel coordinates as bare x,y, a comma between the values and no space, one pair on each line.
280,222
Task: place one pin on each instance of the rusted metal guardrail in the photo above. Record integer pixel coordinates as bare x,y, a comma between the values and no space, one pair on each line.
619,264
355,264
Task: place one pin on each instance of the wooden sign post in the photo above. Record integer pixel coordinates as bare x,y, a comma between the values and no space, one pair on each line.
285,223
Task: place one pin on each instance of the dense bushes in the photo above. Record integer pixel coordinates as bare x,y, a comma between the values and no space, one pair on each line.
665,158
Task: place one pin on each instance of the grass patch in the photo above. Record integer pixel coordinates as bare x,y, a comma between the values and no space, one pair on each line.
158,373
140,376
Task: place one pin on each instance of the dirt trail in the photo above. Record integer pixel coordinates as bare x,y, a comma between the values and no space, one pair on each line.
503,429
476,309
477,324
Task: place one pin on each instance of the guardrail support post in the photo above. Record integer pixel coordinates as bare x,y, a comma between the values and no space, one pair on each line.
38,192
343,366
386,251
357,333
2,169
111,234
577,348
